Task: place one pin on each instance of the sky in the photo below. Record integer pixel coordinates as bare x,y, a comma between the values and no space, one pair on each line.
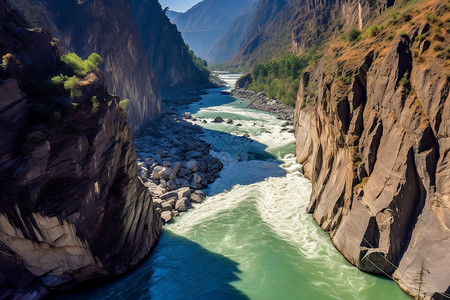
179,5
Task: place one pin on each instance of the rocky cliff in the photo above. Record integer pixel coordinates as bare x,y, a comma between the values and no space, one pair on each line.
296,25
108,28
373,134
72,206
166,52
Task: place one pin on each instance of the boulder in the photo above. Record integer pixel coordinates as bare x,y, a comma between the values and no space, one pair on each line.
183,205
157,202
166,206
184,192
166,164
218,120
187,115
175,170
197,178
192,165
193,154
166,216
198,196
172,185
229,121
158,172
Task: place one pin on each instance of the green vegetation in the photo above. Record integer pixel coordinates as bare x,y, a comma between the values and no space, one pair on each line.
243,68
353,34
280,79
200,63
80,67
405,80
431,17
344,80
419,38
124,104
373,30
95,105
72,84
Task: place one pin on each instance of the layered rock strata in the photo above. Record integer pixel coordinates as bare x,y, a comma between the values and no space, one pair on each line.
72,206
373,136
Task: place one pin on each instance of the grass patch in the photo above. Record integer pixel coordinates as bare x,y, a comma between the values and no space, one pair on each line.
344,80
419,38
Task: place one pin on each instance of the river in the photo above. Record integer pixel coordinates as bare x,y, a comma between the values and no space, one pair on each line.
252,237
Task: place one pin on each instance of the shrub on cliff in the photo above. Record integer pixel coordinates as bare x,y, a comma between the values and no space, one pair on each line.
79,66
353,34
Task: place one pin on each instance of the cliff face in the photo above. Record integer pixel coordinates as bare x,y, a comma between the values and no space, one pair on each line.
373,134
295,25
72,206
108,28
166,53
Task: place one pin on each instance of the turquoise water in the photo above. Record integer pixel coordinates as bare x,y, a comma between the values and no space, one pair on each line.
252,238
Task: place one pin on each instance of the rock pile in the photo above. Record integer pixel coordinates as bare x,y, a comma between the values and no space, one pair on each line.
261,102
175,164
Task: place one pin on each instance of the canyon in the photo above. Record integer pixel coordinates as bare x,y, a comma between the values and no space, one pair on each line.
89,173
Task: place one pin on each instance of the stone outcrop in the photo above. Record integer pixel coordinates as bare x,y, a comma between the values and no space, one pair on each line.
260,101
244,81
376,148
72,206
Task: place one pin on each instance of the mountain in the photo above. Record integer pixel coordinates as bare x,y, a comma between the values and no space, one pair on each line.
230,42
167,54
203,24
372,127
75,208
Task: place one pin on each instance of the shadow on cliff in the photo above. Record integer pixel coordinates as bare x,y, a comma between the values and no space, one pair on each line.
177,269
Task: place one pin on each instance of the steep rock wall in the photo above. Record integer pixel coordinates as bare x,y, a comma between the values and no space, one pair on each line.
166,52
108,28
72,206
372,132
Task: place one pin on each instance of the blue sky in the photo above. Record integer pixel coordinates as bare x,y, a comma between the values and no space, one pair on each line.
178,5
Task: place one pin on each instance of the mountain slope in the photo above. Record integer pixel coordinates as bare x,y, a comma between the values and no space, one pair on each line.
207,21
167,55
230,42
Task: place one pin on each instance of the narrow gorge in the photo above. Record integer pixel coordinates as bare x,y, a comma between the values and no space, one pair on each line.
310,160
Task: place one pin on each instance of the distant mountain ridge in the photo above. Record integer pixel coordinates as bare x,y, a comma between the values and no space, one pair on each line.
209,21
